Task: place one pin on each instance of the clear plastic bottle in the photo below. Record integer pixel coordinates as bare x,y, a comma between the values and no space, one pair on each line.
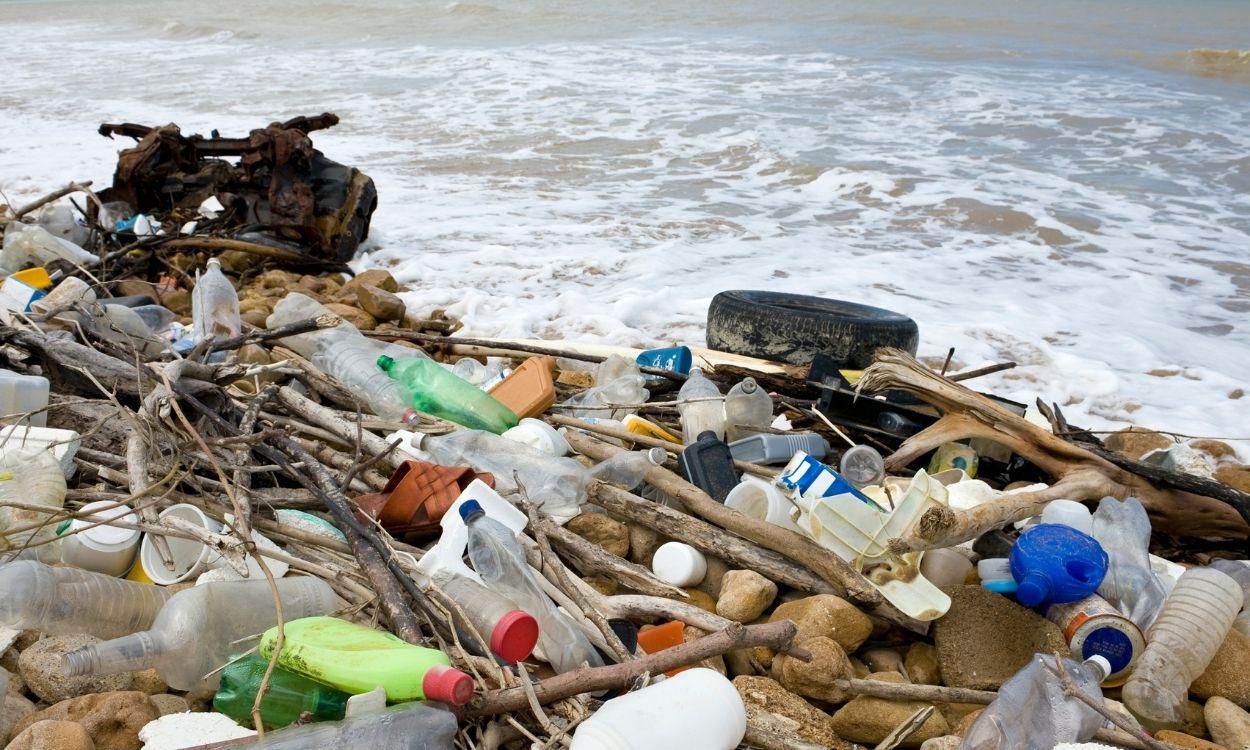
352,360
1239,571
296,307
557,485
31,476
617,381
706,413
748,410
510,633
30,245
215,304
434,390
1031,711
61,221
198,629
69,601
628,469
124,327
1123,530
22,394
499,559
408,726
1180,644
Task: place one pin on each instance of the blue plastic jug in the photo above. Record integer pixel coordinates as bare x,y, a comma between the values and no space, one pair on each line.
1056,564
675,358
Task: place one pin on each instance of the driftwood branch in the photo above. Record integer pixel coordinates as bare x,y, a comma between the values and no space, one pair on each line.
775,635
591,559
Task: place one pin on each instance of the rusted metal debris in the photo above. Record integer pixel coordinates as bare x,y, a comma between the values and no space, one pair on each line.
278,183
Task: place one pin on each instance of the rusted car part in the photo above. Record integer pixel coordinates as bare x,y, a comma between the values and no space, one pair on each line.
279,181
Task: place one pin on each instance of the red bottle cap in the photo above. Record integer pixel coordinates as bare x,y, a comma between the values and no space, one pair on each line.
447,685
514,636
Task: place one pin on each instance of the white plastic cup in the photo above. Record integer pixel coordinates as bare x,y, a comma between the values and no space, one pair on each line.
191,557
103,549
679,564
1069,513
762,500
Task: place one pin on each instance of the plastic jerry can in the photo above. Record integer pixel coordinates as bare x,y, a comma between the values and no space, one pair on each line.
1055,564
529,390
20,394
708,464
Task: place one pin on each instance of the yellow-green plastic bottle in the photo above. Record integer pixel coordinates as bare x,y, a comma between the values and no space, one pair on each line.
356,660
435,390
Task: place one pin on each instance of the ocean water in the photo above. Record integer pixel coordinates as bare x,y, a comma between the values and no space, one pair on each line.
1065,185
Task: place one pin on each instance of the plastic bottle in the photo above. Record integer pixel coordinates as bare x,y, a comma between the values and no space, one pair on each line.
1239,571
357,659
1031,711
995,575
296,307
679,564
748,410
1093,627
198,628
628,469
65,294
68,601
29,245
704,410
778,449
1180,644
214,304
23,394
1070,513
557,485
761,499
32,476
436,391
290,695
707,464
698,708
352,360
510,633
122,326
862,466
60,221
540,436
617,381
409,726
156,317
499,559
1054,564
1123,530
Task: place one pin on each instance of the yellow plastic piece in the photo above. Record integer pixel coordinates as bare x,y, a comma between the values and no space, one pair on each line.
36,277
640,426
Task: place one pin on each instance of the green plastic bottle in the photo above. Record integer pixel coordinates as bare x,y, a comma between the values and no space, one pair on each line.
356,660
436,390
289,695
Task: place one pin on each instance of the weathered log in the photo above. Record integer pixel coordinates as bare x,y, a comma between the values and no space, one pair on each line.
591,559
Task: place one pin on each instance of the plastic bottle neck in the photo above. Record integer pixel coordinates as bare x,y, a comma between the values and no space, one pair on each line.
129,653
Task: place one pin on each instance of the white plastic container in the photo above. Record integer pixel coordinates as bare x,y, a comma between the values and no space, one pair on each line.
191,557
1069,513
214,304
995,574
696,710
20,394
679,564
103,549
63,443
945,567
539,435
763,500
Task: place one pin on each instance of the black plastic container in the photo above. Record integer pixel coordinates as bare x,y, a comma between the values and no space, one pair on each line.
708,465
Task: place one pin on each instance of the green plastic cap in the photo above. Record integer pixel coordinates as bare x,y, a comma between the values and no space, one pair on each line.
386,363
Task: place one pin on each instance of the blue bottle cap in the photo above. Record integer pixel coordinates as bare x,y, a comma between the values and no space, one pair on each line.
470,509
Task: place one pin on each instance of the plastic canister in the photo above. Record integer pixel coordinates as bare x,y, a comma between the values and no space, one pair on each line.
104,549
777,449
1092,627
954,456
22,394
191,557
1054,564
679,564
529,390
708,464
698,708
761,499
1069,513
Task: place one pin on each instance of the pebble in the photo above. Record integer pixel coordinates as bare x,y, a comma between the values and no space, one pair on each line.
610,535
643,543
868,720
1225,676
380,303
1227,723
815,679
827,615
744,595
112,719
1136,442
354,315
13,711
921,663
985,638
149,681
52,735
169,704
42,666
883,660
945,742
378,277
1185,740
767,694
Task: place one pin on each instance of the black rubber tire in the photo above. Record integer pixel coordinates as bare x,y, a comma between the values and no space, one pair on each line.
792,328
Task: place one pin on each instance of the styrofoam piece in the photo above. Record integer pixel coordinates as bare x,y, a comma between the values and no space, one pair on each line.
63,443
177,731
448,553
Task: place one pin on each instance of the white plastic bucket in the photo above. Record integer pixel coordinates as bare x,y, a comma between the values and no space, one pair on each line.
104,549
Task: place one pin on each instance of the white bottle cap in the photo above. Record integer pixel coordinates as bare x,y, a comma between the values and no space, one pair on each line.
994,569
1103,665
679,564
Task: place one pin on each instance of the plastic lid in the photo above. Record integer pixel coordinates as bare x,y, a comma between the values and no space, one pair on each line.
514,636
109,536
657,456
469,509
447,685
1033,590
385,362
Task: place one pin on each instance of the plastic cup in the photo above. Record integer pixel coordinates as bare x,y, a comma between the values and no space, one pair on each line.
191,557
103,549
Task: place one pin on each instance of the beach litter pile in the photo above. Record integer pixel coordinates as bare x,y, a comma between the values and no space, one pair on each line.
250,499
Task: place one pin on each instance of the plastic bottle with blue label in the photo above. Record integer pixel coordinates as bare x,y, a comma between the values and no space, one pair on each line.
1055,564
675,358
